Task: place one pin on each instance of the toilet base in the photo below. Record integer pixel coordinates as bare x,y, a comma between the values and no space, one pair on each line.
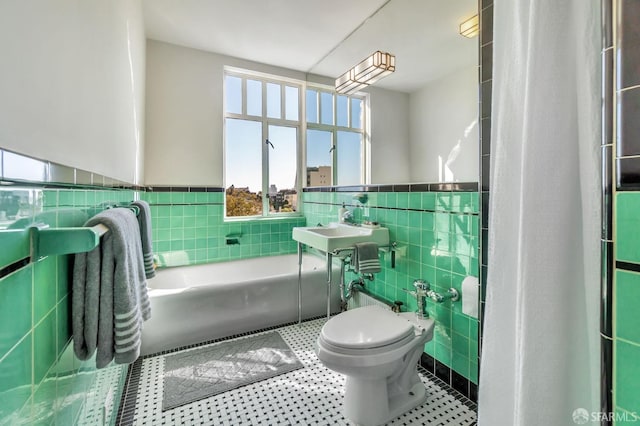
367,402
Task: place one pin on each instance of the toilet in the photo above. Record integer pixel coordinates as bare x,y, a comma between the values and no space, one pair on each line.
377,350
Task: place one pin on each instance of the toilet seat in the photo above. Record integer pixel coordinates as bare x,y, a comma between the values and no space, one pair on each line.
384,330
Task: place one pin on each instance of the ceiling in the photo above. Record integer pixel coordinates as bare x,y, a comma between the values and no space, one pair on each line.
324,38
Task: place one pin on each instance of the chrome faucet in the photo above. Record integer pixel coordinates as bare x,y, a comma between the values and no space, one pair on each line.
347,217
421,292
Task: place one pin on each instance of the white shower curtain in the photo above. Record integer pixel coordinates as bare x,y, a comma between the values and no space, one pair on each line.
541,352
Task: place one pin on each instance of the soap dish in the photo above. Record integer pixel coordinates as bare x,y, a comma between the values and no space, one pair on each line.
372,225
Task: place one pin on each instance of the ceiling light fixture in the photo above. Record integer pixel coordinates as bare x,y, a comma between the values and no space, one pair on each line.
470,27
370,70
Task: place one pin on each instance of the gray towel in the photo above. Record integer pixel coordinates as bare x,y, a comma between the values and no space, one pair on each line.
365,258
109,298
144,221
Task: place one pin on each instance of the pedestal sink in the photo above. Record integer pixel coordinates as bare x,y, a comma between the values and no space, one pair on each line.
330,239
339,236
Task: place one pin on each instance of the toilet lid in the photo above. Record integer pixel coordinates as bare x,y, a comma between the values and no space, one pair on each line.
364,328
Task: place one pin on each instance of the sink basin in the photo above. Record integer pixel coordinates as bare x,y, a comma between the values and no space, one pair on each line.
339,235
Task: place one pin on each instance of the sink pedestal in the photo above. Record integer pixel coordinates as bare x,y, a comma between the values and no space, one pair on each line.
334,239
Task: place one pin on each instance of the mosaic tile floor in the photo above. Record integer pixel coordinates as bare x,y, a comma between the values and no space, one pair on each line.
308,396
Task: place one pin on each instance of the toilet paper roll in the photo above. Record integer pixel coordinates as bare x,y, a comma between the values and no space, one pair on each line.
470,296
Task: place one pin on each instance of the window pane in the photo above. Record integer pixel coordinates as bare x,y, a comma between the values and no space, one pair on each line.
349,158
273,101
319,169
254,97
243,167
312,106
356,113
291,103
282,169
233,94
326,108
342,111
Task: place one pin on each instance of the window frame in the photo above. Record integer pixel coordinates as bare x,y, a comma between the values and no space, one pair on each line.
301,125
334,128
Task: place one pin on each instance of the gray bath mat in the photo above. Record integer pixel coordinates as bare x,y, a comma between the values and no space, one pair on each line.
201,373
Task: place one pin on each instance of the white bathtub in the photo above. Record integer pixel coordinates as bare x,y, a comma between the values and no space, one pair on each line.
193,304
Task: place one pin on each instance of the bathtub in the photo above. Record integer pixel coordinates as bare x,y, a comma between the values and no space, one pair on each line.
193,304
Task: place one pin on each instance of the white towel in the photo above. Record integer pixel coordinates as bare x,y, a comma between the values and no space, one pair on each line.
109,299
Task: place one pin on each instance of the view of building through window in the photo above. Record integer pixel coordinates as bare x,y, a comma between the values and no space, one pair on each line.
263,138
334,139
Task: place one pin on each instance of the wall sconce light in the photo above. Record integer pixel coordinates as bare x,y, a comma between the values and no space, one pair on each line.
470,27
370,70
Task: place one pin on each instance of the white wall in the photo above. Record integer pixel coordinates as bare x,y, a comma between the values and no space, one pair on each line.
72,83
444,129
184,123
184,113
390,152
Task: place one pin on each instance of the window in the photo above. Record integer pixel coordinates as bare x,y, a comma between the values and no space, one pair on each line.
265,127
262,129
334,138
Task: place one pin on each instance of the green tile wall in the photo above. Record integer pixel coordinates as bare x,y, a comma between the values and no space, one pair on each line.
437,236
189,228
626,322
41,381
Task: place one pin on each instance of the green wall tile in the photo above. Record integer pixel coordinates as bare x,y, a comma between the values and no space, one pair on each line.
44,346
460,364
460,324
15,379
428,201
627,226
627,371
15,246
63,323
460,345
64,270
473,372
475,202
65,198
44,287
443,354
16,312
627,299
443,201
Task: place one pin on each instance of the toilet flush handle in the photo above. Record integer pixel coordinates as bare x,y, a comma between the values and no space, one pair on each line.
420,293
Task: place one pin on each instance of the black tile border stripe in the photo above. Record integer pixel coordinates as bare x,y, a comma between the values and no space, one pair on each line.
485,76
127,405
468,402
464,389
14,267
628,173
184,189
606,288
404,187
627,266
184,204
393,208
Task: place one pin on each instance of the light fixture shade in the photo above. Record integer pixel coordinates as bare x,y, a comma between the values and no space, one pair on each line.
470,27
367,72
347,83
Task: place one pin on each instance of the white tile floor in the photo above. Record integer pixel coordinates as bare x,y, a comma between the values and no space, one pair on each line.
308,396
